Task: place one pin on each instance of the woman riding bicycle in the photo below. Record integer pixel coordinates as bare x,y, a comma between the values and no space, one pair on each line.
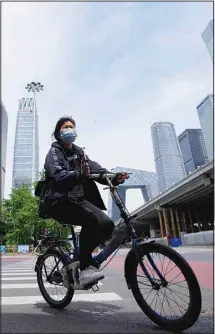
74,199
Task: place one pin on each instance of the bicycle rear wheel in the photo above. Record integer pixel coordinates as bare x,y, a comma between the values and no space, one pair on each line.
183,307
53,280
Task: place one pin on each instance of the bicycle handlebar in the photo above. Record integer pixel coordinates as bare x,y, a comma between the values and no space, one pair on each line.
108,175
98,175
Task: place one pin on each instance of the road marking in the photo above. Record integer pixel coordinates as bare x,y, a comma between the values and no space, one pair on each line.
20,278
15,270
20,286
15,274
24,285
91,297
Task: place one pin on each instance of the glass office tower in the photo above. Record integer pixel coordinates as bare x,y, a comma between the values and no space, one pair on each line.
205,112
193,149
207,37
167,155
26,147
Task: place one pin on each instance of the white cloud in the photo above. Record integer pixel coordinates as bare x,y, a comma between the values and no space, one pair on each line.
121,65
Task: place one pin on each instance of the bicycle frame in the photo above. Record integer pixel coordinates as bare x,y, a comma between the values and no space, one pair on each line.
116,241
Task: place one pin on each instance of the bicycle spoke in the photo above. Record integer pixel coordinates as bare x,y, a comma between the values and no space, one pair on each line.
167,268
175,278
176,302
179,295
170,304
152,300
144,283
170,270
179,285
55,290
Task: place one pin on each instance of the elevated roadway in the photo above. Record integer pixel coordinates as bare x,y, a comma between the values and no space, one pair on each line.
179,202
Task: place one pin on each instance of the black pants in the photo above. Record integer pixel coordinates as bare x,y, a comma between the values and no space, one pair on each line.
97,227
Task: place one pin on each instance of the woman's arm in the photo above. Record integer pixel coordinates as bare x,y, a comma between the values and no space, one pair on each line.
95,167
56,169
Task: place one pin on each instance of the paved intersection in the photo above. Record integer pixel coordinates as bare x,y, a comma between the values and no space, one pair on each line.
19,287
110,310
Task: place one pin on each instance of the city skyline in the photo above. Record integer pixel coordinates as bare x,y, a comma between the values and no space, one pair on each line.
101,75
169,165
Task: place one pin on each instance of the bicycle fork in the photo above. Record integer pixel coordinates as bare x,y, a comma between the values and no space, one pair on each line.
154,285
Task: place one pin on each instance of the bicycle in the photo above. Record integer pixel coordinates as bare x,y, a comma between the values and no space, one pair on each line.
142,255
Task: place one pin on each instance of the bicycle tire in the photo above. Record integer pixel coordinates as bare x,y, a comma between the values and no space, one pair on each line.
194,309
70,291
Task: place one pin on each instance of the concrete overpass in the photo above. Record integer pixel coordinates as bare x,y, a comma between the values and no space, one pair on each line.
186,206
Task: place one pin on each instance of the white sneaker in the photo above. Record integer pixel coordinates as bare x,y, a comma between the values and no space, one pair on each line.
90,275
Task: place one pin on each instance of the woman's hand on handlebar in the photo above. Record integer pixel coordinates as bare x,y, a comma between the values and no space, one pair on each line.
85,170
120,178
116,178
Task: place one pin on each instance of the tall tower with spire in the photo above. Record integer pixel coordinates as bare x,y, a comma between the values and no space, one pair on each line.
26,146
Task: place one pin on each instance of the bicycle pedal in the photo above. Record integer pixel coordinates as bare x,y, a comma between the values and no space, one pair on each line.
97,288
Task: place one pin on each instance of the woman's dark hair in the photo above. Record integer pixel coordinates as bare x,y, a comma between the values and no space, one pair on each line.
60,122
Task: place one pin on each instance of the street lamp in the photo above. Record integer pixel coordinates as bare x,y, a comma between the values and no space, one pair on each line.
34,87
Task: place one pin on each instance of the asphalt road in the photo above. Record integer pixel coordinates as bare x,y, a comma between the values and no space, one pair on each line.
110,310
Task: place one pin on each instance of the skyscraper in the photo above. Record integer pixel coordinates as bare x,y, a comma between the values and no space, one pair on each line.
193,149
26,148
3,129
205,112
207,37
168,160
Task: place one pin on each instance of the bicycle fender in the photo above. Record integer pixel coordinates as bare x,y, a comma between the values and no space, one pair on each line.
40,257
37,264
130,259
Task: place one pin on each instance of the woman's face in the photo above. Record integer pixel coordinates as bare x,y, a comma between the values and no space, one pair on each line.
67,125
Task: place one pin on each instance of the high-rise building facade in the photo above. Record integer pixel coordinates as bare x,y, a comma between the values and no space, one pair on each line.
207,37
205,112
193,149
4,130
26,148
167,155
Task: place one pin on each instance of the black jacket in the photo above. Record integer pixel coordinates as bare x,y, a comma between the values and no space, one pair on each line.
63,178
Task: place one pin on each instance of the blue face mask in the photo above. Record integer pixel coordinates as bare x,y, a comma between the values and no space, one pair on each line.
68,135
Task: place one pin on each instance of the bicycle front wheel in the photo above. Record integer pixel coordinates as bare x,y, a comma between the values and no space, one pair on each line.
174,306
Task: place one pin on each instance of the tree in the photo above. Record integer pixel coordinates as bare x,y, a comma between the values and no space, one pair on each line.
20,218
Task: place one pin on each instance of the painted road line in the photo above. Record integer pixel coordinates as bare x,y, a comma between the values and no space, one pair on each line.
23,278
19,286
16,269
26,279
26,285
91,297
15,274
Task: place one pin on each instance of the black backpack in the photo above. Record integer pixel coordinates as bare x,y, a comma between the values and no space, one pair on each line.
41,192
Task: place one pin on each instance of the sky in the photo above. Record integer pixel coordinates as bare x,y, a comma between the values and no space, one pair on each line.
115,67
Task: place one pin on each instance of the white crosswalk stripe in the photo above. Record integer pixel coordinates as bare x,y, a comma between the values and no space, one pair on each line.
19,287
